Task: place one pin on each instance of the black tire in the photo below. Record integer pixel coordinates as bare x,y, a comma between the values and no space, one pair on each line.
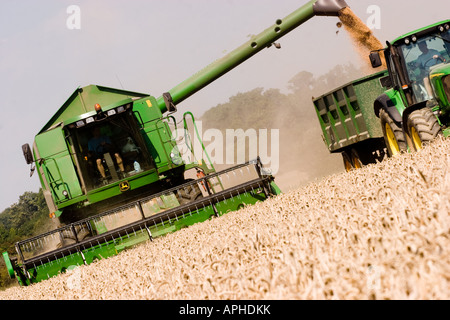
65,242
70,239
83,234
423,127
347,161
356,159
189,194
393,135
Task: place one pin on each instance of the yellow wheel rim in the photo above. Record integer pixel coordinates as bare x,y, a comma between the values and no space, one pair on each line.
416,139
356,163
392,141
348,166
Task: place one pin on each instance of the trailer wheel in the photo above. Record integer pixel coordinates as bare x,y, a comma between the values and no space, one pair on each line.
356,159
347,161
423,127
353,160
393,135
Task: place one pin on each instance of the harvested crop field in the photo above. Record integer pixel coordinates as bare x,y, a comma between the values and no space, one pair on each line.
381,232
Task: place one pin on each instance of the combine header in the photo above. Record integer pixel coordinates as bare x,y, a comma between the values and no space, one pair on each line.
113,175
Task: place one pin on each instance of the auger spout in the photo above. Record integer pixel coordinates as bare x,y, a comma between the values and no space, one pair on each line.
329,7
257,43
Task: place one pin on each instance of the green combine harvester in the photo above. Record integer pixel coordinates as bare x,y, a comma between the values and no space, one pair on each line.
113,175
396,110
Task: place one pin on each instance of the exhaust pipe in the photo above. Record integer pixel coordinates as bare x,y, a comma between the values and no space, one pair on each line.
329,7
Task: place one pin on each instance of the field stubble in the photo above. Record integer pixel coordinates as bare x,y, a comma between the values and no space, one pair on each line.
381,232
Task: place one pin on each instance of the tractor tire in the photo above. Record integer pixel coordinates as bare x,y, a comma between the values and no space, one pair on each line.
65,242
69,239
189,194
393,135
423,127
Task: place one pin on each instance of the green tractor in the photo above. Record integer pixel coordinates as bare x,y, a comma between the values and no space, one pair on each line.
395,110
415,108
112,172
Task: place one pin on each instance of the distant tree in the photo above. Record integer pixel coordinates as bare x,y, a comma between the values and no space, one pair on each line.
305,82
26,218
302,82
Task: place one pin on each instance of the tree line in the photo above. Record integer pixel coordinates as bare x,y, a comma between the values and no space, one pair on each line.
22,220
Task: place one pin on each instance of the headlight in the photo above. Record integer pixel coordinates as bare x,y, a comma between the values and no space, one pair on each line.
90,120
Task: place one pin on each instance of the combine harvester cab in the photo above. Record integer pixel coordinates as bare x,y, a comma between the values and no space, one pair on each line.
112,173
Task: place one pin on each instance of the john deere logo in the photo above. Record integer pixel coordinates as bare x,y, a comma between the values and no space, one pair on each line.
124,186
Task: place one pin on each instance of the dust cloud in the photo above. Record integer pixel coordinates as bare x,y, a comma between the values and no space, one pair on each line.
296,169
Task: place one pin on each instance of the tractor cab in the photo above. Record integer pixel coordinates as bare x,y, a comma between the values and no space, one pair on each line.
423,55
413,59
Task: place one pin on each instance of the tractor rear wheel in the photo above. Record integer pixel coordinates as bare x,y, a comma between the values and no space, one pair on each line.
423,127
393,135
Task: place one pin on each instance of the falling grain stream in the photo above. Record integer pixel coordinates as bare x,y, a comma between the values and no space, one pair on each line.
362,37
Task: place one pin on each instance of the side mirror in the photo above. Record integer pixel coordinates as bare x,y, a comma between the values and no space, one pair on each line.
375,59
27,153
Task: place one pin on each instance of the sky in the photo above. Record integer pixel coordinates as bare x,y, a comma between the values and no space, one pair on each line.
150,46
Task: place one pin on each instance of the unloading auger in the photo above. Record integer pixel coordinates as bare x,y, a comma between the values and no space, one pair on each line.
134,185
